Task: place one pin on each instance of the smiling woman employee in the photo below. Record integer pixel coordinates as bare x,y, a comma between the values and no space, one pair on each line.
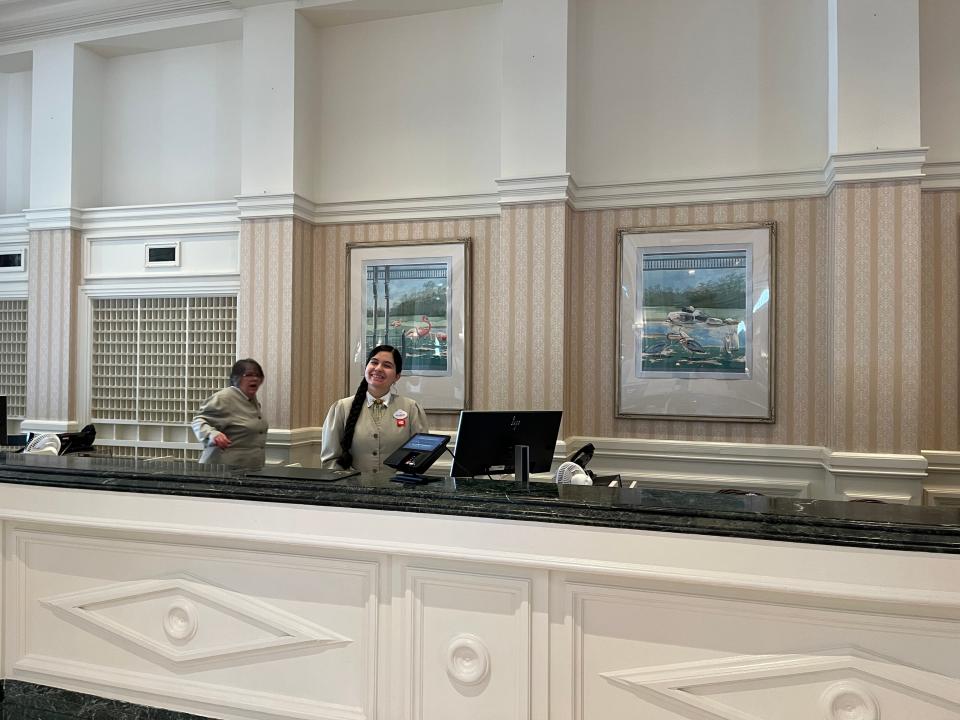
230,423
361,431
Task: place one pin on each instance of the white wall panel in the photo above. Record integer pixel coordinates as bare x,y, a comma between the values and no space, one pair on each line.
469,640
15,103
666,657
409,107
173,130
199,255
685,88
940,79
199,624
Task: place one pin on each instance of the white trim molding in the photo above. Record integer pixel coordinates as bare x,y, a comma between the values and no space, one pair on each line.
875,166
800,471
441,207
28,425
943,478
761,186
540,189
165,219
278,205
941,176
54,218
87,16
14,228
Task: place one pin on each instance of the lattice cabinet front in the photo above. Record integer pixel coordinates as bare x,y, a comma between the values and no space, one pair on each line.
13,355
154,361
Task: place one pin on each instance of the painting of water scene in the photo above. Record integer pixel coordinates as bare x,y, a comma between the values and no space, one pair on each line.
692,312
407,304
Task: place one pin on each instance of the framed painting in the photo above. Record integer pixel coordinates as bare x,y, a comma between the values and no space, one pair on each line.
416,297
695,336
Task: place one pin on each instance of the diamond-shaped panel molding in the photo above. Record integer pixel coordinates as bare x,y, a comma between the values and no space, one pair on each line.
184,619
847,679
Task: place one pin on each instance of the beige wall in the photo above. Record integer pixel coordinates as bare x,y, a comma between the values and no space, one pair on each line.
801,337
939,326
848,294
860,291
874,318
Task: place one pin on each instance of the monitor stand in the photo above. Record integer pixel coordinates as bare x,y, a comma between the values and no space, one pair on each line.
414,479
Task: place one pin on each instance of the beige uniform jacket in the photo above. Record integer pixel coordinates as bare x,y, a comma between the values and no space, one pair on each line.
372,443
232,413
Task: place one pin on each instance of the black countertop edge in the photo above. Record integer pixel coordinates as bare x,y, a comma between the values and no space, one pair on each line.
29,701
702,513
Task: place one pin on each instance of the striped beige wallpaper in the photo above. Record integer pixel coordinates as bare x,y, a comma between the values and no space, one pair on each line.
939,328
874,318
265,308
54,270
802,343
544,315
328,305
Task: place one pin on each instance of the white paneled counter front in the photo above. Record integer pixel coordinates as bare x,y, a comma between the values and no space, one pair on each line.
468,602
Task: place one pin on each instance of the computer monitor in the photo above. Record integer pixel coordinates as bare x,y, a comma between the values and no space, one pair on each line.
3,419
486,440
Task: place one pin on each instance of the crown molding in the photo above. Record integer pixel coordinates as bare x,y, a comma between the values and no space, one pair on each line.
86,16
14,228
880,165
412,208
734,188
537,189
164,219
63,218
279,205
941,176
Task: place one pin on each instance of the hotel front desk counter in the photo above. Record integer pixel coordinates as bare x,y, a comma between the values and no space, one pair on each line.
213,593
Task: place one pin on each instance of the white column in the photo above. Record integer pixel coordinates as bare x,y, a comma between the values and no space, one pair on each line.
51,140
269,100
874,75
535,95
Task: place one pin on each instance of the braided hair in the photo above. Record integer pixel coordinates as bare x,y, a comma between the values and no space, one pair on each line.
346,440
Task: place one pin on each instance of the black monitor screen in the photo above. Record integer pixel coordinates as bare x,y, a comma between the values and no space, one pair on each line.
486,440
3,419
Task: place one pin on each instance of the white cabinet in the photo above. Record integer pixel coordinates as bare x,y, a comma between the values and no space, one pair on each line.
265,611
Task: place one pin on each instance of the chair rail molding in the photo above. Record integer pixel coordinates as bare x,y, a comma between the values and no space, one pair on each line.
790,470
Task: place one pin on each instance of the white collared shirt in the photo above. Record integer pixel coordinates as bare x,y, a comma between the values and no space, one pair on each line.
386,399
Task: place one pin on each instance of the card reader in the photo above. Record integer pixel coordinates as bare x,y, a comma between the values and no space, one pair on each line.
416,455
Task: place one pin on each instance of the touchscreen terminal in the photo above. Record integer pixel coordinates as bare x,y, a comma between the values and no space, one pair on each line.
418,453
425,442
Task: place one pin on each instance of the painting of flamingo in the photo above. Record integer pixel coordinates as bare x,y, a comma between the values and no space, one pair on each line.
407,305
413,294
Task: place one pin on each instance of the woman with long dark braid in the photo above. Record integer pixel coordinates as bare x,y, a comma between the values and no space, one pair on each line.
361,431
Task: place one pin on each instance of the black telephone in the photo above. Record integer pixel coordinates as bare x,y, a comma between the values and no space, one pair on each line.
416,455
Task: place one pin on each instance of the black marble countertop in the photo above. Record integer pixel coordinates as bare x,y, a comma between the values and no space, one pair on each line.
895,527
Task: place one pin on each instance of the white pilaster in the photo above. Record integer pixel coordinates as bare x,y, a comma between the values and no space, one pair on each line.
269,100
535,100
874,75
51,139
